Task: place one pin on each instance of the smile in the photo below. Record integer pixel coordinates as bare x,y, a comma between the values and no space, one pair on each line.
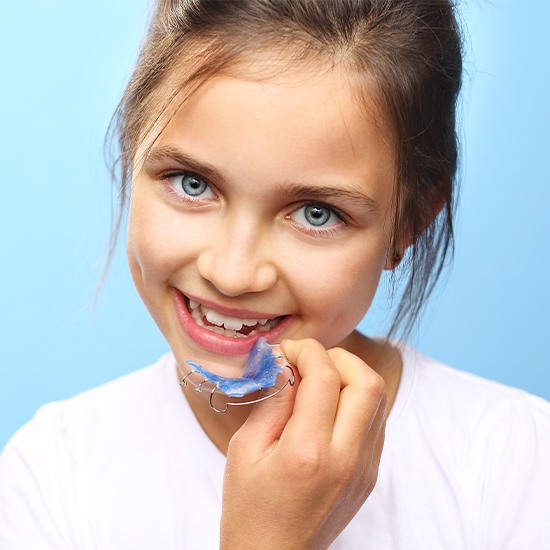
226,325
227,331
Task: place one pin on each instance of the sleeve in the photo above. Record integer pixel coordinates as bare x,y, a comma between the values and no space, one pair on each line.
511,491
36,473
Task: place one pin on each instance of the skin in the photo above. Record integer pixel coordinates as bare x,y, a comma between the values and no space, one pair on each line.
267,151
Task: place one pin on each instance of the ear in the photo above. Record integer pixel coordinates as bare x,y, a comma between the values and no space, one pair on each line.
393,259
396,251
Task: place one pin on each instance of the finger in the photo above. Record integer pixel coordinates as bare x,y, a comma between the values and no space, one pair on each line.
317,397
362,403
268,418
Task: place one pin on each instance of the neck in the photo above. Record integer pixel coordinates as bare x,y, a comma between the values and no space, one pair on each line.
380,355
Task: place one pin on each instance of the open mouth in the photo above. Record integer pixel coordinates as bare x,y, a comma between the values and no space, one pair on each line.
225,325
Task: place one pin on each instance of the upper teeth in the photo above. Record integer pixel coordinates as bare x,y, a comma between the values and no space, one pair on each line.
221,320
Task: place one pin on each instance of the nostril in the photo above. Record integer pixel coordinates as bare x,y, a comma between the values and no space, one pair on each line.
234,273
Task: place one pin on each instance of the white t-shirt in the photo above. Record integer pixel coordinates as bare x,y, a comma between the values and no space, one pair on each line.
466,465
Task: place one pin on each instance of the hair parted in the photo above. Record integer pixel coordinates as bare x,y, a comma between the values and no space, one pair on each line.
410,50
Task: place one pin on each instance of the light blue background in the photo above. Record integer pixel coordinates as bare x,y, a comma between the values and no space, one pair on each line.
64,65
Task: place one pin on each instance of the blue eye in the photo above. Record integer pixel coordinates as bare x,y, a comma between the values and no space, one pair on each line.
191,186
316,215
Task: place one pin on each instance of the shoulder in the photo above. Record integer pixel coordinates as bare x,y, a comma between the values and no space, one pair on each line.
146,384
453,395
70,447
471,414
491,441
150,378
112,406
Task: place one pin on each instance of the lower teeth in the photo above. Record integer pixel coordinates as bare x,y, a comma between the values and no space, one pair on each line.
228,332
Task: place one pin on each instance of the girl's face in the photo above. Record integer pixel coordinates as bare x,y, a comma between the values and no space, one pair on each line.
263,208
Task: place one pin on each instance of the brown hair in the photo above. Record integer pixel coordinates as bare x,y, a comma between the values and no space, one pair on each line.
411,49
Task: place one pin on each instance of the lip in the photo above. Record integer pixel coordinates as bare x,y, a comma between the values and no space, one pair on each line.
222,344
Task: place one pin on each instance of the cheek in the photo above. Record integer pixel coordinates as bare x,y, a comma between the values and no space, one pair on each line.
155,240
341,288
353,287
145,256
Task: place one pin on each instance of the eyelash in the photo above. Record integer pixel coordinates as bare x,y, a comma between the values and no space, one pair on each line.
165,178
319,232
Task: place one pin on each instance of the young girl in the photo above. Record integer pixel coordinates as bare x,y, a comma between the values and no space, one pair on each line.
277,156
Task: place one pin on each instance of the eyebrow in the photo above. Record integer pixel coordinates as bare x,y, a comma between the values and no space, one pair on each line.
163,154
329,193
292,190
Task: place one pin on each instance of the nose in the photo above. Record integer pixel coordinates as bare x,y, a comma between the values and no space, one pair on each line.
237,259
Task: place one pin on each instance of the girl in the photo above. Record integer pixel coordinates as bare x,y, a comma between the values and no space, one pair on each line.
277,157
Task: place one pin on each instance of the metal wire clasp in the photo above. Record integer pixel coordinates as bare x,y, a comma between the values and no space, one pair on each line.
211,382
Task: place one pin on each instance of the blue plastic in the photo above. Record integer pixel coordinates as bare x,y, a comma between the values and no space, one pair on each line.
260,372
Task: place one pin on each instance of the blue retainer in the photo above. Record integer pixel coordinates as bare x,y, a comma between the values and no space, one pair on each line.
260,372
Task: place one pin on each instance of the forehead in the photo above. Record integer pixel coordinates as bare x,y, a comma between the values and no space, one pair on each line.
269,66
310,119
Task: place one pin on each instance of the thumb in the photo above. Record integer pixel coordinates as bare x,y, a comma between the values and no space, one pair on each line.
268,418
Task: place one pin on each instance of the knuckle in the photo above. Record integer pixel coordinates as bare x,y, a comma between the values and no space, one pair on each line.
373,385
329,376
307,461
347,471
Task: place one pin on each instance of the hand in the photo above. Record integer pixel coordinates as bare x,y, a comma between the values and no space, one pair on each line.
305,460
